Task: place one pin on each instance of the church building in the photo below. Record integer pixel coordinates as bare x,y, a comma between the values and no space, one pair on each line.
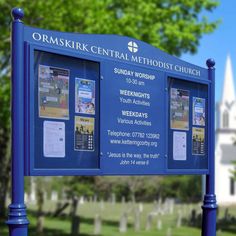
225,153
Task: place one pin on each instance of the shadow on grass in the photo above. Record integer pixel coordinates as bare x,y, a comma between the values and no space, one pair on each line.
51,232
85,220
227,227
32,229
66,217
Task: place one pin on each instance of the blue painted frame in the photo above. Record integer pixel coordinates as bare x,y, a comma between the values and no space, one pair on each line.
22,121
29,163
30,47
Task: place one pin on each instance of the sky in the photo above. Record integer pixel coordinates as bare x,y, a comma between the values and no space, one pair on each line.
218,44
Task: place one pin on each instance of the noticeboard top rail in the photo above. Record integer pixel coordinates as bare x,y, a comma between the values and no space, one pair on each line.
114,47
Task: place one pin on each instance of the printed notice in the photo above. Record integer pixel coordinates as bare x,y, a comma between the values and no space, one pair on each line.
179,146
84,133
53,139
198,141
198,111
53,92
84,96
179,109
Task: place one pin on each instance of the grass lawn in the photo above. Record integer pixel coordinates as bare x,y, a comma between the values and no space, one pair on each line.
111,214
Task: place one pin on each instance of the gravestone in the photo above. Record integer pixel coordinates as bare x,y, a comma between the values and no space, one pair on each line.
156,207
159,224
54,196
81,200
149,221
140,207
113,198
179,219
25,196
102,205
123,223
123,200
90,199
171,206
97,224
8,199
95,199
32,196
137,220
169,232
166,207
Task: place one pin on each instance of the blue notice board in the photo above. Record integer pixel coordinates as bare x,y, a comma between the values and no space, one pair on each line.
112,105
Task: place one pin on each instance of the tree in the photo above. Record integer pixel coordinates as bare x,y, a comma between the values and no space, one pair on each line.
77,186
175,26
4,141
125,186
184,188
233,172
147,188
40,183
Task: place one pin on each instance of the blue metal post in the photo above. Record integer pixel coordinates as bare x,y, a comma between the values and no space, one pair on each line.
209,204
17,218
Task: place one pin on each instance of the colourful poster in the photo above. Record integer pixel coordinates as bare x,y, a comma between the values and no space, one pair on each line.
84,96
53,92
198,141
84,133
179,109
199,111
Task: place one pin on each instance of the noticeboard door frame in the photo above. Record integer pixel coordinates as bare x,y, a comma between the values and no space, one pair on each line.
186,79
29,162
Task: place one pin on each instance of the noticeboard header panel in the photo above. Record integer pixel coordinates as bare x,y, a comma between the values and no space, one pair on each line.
115,48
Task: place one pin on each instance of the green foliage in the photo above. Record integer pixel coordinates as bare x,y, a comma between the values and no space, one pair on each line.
79,185
172,25
4,104
147,188
184,188
4,140
122,186
233,172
